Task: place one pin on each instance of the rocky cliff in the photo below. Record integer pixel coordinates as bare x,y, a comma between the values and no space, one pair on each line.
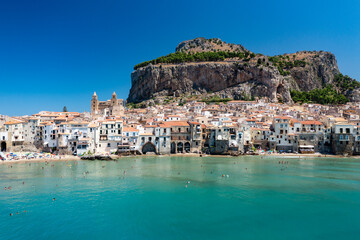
210,65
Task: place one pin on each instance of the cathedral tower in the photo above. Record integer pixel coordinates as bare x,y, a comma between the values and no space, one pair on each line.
94,104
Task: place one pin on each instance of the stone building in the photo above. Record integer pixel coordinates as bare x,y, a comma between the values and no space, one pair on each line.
110,107
343,138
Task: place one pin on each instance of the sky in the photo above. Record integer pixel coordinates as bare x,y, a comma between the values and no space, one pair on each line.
57,53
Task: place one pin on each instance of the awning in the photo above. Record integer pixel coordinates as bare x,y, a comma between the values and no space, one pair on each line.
306,146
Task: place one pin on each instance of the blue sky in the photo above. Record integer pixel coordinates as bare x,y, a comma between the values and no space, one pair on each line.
57,53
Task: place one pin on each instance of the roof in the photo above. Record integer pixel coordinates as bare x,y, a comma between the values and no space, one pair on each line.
130,129
92,125
13,121
311,123
176,124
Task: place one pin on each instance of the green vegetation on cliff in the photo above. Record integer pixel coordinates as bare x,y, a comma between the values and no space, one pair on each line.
215,99
181,57
326,95
345,83
283,63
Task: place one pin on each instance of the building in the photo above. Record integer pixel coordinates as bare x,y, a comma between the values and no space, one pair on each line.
110,107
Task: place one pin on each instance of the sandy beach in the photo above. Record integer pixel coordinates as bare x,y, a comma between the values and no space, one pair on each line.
43,159
71,157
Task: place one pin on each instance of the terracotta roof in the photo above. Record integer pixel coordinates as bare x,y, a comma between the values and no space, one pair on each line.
12,122
311,123
130,129
176,124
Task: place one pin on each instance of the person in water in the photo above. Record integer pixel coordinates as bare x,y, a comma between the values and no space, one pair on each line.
53,199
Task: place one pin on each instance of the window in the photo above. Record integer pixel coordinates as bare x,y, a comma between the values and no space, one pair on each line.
108,145
348,130
341,130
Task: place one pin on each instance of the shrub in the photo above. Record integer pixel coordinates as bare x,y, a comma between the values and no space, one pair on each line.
327,95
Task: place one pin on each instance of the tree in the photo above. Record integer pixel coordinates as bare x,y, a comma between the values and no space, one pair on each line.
65,109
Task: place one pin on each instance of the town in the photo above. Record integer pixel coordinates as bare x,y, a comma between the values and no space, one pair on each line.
231,128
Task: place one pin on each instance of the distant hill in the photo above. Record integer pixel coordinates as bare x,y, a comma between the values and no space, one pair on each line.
202,66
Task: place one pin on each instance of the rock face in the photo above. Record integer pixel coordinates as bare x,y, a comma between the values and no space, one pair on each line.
208,45
253,76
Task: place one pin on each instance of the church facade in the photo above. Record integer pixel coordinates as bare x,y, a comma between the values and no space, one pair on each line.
110,107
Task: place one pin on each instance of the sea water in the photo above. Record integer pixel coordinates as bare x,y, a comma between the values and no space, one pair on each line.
182,198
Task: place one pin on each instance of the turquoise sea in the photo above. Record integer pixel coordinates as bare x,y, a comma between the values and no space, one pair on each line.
182,198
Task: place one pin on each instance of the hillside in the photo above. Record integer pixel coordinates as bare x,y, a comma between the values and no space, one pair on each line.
202,66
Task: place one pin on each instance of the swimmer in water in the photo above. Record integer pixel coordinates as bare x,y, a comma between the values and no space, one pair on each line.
11,214
53,199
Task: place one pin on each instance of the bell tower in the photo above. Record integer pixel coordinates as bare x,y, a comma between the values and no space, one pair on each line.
94,105
114,100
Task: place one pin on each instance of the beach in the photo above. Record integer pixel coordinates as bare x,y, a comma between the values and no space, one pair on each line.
34,157
47,157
